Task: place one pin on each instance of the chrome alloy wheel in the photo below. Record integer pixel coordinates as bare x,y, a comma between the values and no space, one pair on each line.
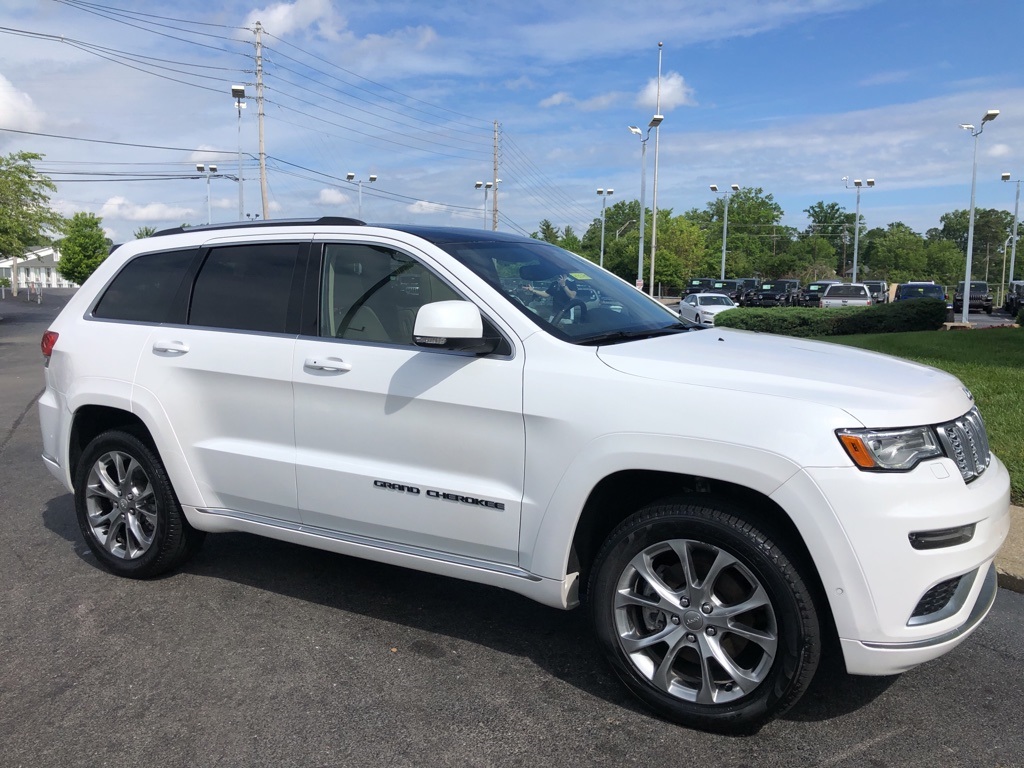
695,622
121,505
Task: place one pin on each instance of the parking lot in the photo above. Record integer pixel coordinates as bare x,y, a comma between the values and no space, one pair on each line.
265,653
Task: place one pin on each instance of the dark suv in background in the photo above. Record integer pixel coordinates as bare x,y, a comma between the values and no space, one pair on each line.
698,285
980,298
774,293
728,287
906,291
1014,297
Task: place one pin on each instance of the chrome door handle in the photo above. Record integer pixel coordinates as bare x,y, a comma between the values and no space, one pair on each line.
327,364
172,347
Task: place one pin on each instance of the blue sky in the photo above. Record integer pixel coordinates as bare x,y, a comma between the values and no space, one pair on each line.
786,95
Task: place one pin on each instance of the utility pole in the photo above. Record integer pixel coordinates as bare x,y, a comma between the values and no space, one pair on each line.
654,196
259,117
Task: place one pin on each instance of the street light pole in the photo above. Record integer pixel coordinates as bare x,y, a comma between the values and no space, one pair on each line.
725,221
992,114
1016,208
604,197
654,190
484,186
655,122
352,177
238,92
857,184
208,171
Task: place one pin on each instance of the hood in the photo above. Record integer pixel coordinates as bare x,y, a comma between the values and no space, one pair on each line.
877,390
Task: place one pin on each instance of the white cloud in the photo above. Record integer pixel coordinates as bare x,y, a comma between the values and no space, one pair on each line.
17,110
422,206
557,100
121,208
333,197
674,93
602,101
1000,150
282,19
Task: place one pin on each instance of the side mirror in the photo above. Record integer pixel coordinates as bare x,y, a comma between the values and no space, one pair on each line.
452,325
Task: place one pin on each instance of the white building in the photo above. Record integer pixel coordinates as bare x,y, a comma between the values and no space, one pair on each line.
38,267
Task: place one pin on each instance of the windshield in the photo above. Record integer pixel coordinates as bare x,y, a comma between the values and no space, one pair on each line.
847,291
922,291
716,301
976,287
565,294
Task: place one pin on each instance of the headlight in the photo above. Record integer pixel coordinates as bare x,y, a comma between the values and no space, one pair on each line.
890,449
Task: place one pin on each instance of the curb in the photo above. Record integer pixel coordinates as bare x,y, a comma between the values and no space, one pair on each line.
1010,559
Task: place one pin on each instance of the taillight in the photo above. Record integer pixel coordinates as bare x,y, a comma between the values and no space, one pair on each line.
49,340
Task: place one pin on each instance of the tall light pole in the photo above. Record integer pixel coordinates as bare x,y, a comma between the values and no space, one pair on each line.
654,195
992,114
209,172
655,122
725,220
1016,208
238,92
604,197
484,185
352,177
857,184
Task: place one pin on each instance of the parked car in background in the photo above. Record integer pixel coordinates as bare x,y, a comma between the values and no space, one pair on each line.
919,290
728,287
980,298
846,295
701,308
698,285
810,294
1014,297
773,293
879,290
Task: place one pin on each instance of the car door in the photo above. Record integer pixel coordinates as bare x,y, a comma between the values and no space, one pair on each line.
690,311
398,445
223,382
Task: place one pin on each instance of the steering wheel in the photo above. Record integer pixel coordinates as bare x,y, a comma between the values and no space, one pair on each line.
565,310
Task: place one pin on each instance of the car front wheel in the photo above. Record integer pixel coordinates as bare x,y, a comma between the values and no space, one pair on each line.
127,509
704,617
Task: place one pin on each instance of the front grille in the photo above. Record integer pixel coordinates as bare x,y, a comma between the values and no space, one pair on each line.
965,441
937,598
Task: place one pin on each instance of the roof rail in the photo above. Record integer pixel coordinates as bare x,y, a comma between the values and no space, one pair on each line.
336,221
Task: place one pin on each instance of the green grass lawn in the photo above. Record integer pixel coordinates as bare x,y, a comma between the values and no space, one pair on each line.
990,362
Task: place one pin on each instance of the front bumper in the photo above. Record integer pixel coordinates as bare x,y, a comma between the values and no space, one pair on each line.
896,606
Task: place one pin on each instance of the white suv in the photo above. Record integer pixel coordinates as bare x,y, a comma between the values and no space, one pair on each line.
724,502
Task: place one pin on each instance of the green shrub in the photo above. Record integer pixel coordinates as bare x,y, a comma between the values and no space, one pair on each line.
896,317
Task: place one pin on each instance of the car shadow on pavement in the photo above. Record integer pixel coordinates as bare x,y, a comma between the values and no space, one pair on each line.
560,642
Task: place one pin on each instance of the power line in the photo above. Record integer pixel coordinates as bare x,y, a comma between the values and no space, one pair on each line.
232,152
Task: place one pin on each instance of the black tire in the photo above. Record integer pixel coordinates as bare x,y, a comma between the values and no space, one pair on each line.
127,509
766,654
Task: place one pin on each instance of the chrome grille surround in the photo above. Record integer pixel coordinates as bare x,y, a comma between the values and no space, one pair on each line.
965,441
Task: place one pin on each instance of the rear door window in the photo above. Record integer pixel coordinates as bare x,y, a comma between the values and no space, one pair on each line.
145,289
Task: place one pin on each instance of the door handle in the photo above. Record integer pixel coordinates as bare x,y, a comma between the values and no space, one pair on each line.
171,347
327,364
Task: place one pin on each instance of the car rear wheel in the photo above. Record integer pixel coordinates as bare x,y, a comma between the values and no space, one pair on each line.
127,509
704,617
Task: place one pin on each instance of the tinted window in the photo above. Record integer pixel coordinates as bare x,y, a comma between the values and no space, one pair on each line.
145,287
245,287
846,291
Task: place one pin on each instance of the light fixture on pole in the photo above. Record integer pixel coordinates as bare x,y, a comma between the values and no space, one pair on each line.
655,122
725,220
484,185
992,114
352,177
857,184
238,93
1016,208
604,198
209,172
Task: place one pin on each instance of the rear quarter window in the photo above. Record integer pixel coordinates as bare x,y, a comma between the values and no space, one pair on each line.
145,289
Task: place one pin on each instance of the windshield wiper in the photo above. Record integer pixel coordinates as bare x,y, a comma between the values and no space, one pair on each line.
640,333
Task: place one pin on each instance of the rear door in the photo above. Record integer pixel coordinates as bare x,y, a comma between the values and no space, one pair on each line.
223,380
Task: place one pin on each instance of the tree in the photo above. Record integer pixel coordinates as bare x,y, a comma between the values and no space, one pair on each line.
549,233
83,248
756,241
570,240
896,254
26,219
831,222
142,232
